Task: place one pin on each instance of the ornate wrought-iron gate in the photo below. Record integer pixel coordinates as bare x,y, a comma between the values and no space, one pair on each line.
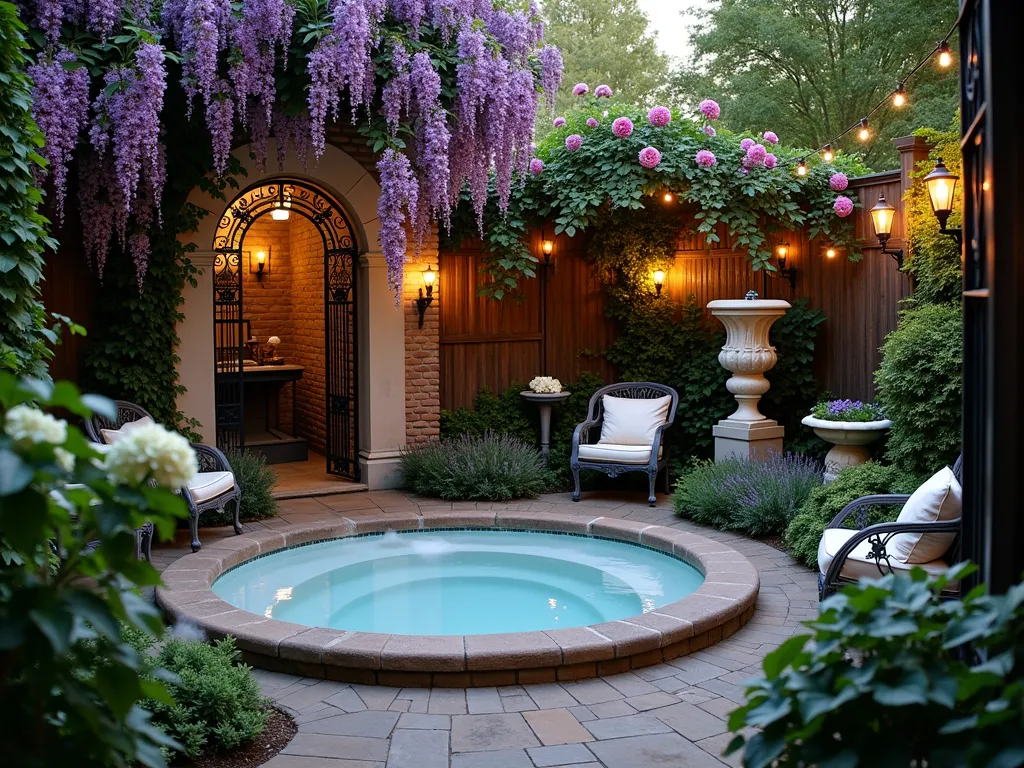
228,341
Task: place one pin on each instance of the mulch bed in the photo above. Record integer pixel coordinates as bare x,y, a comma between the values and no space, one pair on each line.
279,731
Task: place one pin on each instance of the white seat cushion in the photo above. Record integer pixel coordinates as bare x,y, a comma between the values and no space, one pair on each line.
209,485
940,498
629,421
111,436
617,454
859,563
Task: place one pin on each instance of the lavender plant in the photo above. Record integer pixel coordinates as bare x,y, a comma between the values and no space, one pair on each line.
847,410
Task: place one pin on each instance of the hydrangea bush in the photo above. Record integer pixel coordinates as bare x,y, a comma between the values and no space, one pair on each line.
444,91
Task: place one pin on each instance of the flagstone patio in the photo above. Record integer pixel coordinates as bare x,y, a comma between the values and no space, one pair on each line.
671,714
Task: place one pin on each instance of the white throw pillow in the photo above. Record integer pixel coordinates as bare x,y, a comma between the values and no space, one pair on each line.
629,421
111,436
939,499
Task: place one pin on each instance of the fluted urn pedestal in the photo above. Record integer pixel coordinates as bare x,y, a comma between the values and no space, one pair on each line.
747,433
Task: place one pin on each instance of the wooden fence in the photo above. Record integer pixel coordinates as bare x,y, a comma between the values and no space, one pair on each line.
559,328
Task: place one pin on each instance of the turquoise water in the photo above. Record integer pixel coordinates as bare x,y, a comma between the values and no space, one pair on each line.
458,582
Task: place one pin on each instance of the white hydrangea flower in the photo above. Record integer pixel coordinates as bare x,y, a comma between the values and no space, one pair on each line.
27,425
65,459
546,385
152,452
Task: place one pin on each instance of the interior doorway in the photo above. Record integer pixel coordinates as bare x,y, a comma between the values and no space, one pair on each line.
285,332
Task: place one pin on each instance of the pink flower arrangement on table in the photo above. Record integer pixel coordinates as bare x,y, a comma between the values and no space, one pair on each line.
771,137
838,181
710,109
706,158
573,142
660,117
710,132
559,122
592,122
603,92
536,166
580,89
843,206
746,144
622,127
770,160
756,154
649,157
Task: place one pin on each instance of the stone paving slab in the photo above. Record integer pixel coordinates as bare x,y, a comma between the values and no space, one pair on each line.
668,715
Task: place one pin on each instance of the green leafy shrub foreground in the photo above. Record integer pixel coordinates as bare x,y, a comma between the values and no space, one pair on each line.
256,480
886,678
827,501
494,467
756,497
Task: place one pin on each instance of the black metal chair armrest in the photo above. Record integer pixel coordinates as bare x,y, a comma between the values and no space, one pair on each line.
864,502
581,434
880,534
211,459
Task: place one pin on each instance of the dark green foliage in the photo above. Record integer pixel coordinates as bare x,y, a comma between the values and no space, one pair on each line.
794,386
256,479
71,684
217,705
892,675
494,467
24,335
920,385
759,498
827,501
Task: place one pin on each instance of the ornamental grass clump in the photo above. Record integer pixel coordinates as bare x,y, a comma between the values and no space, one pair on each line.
847,410
494,467
756,497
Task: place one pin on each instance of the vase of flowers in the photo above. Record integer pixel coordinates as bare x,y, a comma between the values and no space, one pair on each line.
850,425
545,392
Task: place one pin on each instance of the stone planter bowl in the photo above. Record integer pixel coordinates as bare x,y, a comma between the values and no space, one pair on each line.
848,439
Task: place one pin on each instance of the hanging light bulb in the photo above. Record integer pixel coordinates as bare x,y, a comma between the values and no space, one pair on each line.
899,96
827,154
945,55
864,134
801,168
830,253
668,197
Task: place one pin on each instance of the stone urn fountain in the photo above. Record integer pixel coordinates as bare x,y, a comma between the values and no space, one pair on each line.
747,354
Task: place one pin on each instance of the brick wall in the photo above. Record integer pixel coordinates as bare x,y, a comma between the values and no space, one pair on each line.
307,249
422,351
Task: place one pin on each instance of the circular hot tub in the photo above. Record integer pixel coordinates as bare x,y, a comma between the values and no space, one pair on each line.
458,582
459,599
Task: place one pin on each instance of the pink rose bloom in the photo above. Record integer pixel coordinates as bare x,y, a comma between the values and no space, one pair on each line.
660,117
838,182
649,157
709,131
706,158
770,137
843,206
574,142
746,144
559,122
536,166
603,92
580,89
770,160
592,122
756,154
622,127
710,109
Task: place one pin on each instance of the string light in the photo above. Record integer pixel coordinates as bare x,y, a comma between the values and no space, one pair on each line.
899,96
827,155
801,168
945,55
864,134
830,253
668,197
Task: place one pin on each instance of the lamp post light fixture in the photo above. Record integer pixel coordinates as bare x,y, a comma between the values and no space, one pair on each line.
659,282
941,186
882,216
547,247
782,250
429,276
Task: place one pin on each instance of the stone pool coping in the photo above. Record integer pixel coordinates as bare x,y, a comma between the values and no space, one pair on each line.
719,607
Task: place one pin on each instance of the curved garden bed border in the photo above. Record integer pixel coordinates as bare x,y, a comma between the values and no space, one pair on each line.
719,607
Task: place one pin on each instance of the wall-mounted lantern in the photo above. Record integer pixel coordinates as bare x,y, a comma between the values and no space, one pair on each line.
941,186
547,247
259,263
282,206
659,281
429,277
783,252
882,216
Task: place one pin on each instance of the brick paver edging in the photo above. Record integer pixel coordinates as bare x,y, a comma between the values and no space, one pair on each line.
719,607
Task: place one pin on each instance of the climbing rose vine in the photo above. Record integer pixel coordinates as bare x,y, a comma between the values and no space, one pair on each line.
445,91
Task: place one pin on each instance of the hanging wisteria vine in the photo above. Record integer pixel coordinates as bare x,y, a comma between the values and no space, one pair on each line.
445,91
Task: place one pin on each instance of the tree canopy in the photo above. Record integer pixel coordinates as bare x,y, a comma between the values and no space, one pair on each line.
809,69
